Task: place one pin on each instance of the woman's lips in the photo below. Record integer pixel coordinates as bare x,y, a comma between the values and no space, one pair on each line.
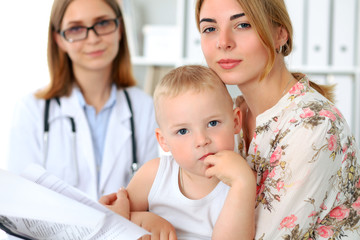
228,63
96,53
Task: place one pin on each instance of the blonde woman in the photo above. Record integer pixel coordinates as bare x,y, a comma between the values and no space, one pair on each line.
305,156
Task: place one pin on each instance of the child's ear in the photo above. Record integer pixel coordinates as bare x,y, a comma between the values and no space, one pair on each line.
161,140
237,120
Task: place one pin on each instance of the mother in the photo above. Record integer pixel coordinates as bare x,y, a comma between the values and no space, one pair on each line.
306,159
295,139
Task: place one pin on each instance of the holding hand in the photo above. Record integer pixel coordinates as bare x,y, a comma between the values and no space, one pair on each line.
117,202
160,228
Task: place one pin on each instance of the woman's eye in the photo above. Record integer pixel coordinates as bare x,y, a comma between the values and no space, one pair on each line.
75,29
213,123
103,23
209,29
182,131
244,25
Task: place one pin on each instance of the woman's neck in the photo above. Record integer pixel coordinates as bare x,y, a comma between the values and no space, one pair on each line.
263,95
95,87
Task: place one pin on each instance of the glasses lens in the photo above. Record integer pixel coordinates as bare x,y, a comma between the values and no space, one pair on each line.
105,27
75,33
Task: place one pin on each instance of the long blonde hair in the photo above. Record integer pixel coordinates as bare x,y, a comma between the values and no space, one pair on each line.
59,63
263,15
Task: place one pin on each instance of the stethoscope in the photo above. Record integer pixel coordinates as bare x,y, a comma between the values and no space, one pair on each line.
134,165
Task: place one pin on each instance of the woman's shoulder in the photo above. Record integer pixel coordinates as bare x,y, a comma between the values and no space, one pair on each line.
30,101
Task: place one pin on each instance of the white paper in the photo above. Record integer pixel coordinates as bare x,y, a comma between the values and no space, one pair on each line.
28,204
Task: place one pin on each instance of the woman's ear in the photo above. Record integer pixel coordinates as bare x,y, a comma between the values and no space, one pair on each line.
161,140
281,36
237,120
59,41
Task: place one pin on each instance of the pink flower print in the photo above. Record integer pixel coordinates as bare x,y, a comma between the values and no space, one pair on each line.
345,157
340,212
332,143
344,148
272,173
313,213
328,114
288,222
296,89
255,149
307,113
356,205
325,231
280,185
275,157
337,197
337,111
293,120
358,184
260,189
323,206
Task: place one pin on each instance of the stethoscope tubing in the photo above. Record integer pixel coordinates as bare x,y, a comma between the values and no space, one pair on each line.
134,165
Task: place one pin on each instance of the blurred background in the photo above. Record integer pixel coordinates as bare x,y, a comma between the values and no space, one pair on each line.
326,47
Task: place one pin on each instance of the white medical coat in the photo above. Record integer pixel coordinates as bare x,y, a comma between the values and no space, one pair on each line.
27,145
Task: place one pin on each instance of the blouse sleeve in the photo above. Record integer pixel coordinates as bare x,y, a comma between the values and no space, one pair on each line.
308,185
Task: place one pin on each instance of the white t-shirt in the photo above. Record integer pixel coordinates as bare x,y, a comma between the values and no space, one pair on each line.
192,219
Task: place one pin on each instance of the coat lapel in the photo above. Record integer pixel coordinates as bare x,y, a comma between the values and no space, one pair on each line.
71,107
118,132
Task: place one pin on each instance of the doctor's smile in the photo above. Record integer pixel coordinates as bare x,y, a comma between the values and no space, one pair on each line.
97,53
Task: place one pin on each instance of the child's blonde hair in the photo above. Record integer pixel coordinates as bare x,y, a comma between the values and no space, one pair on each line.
194,78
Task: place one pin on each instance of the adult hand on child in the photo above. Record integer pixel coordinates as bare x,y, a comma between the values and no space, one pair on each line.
117,202
160,228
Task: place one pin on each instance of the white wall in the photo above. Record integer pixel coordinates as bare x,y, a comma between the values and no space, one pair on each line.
23,66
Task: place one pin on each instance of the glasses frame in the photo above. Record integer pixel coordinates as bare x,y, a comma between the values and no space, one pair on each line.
116,20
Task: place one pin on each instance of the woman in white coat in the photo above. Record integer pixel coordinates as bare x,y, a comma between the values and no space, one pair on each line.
90,75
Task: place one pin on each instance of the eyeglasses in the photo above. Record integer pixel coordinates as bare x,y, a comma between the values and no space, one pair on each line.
101,28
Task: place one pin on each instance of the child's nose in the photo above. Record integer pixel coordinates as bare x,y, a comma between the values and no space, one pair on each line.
202,139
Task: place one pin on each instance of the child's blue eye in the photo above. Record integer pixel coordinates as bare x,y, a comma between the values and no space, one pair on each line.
213,123
182,131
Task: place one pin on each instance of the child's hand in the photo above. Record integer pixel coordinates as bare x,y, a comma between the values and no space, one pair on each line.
160,228
230,168
117,202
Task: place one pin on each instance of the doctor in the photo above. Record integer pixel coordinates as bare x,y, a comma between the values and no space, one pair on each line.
85,126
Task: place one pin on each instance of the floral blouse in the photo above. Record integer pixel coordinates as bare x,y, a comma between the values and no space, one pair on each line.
307,165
